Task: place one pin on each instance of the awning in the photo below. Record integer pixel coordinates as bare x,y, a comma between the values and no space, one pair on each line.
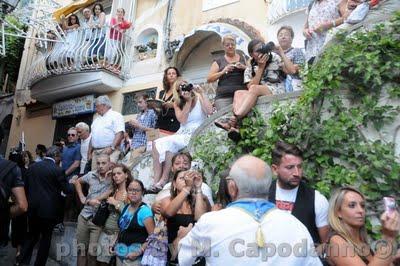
71,8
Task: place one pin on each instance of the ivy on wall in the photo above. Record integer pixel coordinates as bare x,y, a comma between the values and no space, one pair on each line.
331,120
9,64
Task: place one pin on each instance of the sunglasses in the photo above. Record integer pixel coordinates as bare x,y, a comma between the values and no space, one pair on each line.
71,135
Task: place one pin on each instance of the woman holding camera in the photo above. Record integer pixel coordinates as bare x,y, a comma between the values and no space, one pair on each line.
185,206
191,107
347,244
263,76
166,120
228,70
121,177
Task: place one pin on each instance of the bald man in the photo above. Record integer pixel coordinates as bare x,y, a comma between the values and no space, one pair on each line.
250,229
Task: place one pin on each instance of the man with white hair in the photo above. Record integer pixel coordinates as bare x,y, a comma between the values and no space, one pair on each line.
250,230
84,135
107,131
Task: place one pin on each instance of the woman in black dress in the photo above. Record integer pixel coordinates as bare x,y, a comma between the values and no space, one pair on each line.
167,121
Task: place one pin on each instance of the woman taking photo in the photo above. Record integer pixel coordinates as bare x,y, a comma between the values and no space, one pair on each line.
263,76
347,244
136,223
228,70
121,179
191,107
185,205
166,120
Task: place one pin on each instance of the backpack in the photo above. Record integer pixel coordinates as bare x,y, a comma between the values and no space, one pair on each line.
5,167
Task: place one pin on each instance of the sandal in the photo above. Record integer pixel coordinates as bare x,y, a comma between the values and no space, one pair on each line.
226,123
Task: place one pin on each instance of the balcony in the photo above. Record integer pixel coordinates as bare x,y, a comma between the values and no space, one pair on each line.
82,61
278,9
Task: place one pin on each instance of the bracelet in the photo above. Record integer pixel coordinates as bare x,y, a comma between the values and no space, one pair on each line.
333,23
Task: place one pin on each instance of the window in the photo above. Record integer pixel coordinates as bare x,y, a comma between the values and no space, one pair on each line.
129,105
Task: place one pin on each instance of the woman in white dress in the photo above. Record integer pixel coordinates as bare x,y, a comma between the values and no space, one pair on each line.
70,28
191,107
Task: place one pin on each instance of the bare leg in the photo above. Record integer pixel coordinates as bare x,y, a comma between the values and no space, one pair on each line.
157,166
250,99
166,168
238,99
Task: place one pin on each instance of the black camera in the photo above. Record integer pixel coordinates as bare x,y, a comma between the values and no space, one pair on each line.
186,87
266,48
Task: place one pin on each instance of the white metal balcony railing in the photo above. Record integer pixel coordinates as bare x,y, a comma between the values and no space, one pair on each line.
278,9
82,49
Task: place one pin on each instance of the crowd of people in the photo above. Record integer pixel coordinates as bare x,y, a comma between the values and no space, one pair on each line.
255,219
91,40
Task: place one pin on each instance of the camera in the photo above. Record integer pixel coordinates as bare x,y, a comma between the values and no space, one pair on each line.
186,87
266,48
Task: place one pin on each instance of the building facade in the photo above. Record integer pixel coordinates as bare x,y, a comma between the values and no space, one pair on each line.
58,82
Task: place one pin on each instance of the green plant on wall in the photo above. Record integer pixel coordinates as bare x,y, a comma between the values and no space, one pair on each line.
331,120
14,49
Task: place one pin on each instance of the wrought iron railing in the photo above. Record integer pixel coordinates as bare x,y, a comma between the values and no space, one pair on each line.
278,9
82,49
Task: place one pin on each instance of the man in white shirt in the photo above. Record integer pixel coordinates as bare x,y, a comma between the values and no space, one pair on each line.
250,230
291,194
84,135
107,131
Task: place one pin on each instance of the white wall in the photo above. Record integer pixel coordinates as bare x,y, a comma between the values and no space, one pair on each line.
296,21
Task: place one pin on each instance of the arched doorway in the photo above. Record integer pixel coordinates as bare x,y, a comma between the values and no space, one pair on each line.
201,46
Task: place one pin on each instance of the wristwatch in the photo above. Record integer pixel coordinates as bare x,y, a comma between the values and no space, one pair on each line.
112,148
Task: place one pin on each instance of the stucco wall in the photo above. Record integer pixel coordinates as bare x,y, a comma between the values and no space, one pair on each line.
38,128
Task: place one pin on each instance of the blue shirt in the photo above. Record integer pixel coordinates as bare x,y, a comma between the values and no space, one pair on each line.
71,153
146,119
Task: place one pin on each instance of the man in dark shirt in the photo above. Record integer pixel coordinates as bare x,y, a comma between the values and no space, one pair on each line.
10,183
44,186
71,154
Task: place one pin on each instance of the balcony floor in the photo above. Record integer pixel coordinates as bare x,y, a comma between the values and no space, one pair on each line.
74,84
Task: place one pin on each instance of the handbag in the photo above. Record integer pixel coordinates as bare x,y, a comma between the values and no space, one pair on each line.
102,214
157,246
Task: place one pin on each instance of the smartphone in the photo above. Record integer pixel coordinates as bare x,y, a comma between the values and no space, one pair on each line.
195,166
389,204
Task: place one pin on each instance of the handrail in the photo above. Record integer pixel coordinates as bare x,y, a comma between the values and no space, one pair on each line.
83,49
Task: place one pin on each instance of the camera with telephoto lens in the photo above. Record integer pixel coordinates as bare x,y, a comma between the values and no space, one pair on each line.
186,87
266,48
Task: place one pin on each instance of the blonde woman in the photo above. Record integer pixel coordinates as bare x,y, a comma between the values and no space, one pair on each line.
191,107
347,244
229,71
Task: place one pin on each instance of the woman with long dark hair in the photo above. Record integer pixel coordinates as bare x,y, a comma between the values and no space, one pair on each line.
97,22
185,205
167,121
191,107
122,177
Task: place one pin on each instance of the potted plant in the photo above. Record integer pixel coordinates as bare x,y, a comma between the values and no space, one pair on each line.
152,45
141,48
